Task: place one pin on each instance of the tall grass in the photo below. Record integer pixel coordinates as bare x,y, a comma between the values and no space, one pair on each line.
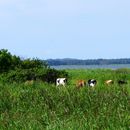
44,106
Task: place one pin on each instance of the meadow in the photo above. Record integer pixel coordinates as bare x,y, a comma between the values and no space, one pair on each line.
43,106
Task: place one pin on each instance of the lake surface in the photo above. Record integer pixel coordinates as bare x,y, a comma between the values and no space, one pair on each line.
113,66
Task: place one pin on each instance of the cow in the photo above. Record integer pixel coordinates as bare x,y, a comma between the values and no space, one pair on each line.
61,81
92,82
121,82
81,83
109,82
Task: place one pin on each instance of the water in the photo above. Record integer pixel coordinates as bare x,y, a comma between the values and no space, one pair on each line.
113,66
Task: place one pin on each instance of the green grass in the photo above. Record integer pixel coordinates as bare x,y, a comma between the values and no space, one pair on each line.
44,106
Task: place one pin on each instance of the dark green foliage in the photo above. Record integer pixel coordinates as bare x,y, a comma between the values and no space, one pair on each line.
11,62
13,69
53,74
34,63
7,61
21,75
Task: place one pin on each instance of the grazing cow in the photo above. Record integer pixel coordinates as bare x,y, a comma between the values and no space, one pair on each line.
92,82
80,83
108,82
121,82
61,81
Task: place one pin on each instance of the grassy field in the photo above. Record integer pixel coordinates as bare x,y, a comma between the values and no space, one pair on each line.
42,106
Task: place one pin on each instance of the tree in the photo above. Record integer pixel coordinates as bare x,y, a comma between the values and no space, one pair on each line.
5,60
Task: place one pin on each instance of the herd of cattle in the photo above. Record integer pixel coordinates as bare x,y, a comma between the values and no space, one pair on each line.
90,82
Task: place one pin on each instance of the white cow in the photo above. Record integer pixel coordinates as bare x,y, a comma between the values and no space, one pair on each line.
61,81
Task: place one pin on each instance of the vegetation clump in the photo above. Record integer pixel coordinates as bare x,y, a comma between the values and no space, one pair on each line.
13,69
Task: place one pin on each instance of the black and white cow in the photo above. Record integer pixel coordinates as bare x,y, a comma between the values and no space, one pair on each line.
121,82
92,82
61,81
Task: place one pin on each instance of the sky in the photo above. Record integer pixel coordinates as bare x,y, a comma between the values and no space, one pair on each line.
51,29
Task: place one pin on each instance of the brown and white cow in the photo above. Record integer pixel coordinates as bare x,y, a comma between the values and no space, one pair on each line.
80,83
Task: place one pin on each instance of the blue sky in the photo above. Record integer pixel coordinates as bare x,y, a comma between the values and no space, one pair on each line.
66,28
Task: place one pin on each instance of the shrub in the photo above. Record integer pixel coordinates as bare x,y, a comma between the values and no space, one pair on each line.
8,61
21,75
34,63
53,74
13,69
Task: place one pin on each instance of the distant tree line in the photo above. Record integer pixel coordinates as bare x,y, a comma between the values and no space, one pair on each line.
56,62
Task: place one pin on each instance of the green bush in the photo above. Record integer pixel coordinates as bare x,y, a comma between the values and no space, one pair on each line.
11,62
33,63
13,69
22,75
8,61
53,74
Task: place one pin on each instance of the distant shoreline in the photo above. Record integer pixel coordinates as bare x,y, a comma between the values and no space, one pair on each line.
112,66
68,61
